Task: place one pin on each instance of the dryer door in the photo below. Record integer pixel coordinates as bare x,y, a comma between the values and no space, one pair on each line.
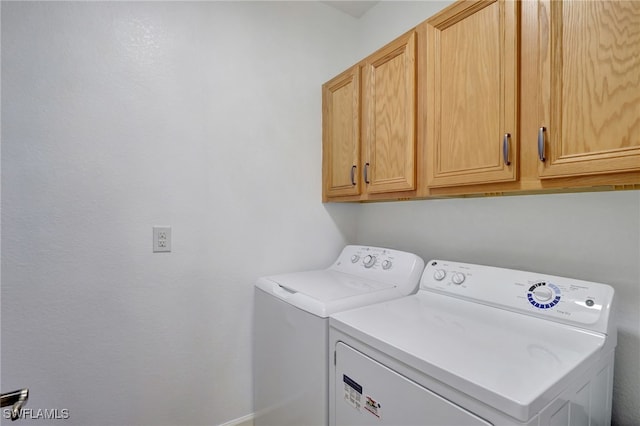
368,393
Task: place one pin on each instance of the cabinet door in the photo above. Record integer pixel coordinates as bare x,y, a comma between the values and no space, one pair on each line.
341,134
389,117
590,82
472,93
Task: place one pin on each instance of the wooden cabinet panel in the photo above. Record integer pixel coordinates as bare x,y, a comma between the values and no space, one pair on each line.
389,111
341,134
590,83
437,103
472,93
383,163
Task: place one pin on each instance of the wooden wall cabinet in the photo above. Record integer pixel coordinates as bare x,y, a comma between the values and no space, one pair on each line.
589,84
341,135
471,93
569,75
510,97
369,130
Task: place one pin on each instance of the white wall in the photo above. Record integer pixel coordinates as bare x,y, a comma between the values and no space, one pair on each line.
117,116
591,236
389,19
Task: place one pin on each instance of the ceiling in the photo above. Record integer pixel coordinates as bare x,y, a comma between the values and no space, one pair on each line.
353,8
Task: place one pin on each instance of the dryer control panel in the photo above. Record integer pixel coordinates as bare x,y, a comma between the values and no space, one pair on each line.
576,302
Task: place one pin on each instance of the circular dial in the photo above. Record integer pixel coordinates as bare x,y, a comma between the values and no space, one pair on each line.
355,258
386,264
439,274
458,278
369,261
543,295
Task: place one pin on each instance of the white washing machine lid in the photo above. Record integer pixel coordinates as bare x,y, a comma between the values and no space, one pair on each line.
512,362
324,292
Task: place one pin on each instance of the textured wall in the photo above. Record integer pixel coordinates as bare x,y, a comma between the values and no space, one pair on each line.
117,116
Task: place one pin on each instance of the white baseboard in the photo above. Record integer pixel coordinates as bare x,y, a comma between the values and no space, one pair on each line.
240,421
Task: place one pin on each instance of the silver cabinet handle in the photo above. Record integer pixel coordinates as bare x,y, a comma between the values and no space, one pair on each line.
541,131
353,175
505,148
366,173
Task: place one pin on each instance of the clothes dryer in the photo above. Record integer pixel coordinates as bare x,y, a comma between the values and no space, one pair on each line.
291,327
477,345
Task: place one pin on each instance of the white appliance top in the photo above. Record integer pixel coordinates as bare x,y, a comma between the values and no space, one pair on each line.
360,276
481,333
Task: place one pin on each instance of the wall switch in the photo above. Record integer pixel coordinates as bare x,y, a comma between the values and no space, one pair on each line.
161,238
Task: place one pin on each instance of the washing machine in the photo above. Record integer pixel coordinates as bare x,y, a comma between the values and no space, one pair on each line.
476,345
291,327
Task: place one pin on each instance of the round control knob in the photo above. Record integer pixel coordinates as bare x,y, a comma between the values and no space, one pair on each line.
542,294
386,264
355,258
369,261
439,274
458,278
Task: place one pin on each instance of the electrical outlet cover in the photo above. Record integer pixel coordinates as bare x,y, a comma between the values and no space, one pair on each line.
161,239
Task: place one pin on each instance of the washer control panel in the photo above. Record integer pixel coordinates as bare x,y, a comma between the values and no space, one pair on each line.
577,302
372,257
380,264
